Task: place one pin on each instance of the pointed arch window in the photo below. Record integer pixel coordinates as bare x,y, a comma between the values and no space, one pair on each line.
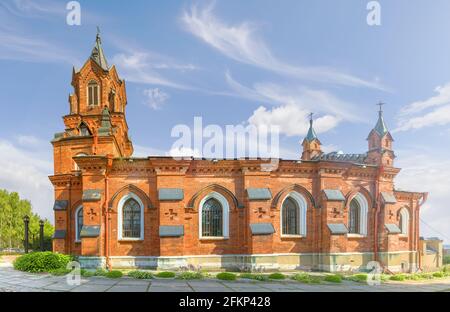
358,215
404,221
78,223
93,93
293,215
213,216
131,218
84,130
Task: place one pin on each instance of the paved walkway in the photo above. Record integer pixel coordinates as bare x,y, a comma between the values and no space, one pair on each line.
16,281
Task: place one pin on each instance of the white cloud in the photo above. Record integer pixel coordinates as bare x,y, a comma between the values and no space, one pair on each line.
155,98
434,111
26,170
291,119
424,172
241,43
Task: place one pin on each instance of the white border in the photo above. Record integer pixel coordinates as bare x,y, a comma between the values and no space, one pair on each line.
120,221
363,215
77,235
404,225
225,214
303,207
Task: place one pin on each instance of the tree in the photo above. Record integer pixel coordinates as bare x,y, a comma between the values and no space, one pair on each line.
12,211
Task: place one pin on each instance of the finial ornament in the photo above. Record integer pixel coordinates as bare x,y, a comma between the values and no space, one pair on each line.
380,104
311,118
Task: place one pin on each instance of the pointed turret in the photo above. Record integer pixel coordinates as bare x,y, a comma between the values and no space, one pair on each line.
97,53
311,144
380,143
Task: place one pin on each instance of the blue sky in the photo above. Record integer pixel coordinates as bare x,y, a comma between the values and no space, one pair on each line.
236,62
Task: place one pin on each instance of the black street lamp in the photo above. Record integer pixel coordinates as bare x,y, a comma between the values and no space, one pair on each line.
26,221
41,234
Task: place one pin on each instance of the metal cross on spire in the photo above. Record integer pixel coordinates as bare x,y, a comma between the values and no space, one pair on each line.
381,106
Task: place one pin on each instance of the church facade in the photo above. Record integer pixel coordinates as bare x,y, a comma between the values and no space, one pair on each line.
322,211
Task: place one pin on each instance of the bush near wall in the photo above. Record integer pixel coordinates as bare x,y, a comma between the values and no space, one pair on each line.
42,262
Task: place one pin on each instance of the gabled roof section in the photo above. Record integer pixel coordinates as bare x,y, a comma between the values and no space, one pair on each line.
97,53
380,128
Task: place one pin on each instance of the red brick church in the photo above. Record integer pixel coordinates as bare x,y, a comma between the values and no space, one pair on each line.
323,211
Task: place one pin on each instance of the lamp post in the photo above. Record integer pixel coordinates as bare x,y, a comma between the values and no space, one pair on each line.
41,234
26,221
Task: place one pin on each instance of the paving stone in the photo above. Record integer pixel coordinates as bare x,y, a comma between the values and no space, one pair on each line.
129,288
91,288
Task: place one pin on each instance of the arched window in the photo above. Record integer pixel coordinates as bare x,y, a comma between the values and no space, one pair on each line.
131,218
357,217
404,221
84,130
75,166
93,93
354,218
213,216
78,222
293,215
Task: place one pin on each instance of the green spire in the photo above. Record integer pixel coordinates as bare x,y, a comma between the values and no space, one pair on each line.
311,136
97,52
106,126
381,127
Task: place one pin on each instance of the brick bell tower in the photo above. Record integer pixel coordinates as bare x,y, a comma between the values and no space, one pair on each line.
311,144
380,143
95,127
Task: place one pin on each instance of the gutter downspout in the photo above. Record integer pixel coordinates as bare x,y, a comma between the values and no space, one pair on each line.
105,206
419,205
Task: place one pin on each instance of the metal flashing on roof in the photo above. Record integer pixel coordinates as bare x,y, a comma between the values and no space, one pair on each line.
60,205
337,228
262,228
334,195
259,194
392,228
90,231
59,234
170,194
171,230
388,198
91,195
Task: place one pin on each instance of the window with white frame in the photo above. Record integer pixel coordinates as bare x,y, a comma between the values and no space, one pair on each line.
293,215
404,221
130,218
213,216
78,223
357,215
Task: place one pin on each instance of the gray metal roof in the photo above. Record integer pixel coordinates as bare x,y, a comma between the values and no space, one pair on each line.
388,198
60,205
98,55
381,127
90,231
392,228
311,135
259,194
262,228
59,234
170,194
337,228
92,195
171,230
335,156
334,195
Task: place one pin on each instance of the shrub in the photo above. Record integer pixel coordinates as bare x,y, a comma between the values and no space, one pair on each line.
140,274
398,277
447,259
413,277
306,278
277,276
335,278
114,274
226,276
41,262
100,272
190,275
87,273
59,272
360,277
165,274
425,275
257,277
438,274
